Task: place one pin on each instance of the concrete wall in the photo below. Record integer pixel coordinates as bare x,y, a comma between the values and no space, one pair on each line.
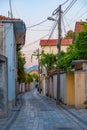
50,90
79,89
47,86
63,88
3,87
51,87
1,39
43,84
85,86
9,51
55,85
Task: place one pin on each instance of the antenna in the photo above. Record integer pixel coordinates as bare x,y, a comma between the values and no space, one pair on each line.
10,12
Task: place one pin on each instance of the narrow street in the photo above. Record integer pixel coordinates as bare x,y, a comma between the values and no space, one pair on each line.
40,113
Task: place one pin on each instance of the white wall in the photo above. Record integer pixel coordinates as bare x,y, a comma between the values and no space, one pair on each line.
9,51
55,85
63,87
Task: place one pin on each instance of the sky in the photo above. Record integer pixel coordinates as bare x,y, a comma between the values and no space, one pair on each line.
33,12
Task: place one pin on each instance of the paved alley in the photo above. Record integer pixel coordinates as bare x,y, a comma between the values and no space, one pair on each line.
40,113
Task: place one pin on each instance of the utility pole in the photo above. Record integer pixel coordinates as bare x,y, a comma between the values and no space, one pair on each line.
11,15
59,49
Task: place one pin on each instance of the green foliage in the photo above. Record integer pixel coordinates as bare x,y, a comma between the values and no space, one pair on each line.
21,72
36,77
49,60
81,45
29,78
65,59
76,51
69,34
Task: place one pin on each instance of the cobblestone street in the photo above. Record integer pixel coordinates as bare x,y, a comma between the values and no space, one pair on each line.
40,113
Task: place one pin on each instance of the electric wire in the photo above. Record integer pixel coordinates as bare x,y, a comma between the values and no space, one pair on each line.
64,25
64,2
83,6
68,25
36,40
74,20
49,34
69,6
67,39
15,9
53,28
37,24
39,30
57,9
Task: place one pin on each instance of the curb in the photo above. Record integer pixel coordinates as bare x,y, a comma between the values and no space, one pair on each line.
14,115
73,114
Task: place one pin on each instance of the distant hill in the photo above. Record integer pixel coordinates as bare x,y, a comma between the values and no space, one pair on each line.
31,68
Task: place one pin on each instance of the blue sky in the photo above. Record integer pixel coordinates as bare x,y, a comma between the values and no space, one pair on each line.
35,11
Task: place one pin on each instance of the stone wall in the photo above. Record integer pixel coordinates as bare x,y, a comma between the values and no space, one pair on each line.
3,86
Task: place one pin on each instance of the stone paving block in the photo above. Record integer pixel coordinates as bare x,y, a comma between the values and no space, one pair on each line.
39,113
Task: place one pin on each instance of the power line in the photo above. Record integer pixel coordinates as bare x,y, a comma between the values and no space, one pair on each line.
73,20
69,6
15,9
37,24
68,25
57,9
52,30
36,40
64,2
63,25
81,15
39,30
76,14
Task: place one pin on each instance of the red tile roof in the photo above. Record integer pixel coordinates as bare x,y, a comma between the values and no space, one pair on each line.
79,27
53,42
7,18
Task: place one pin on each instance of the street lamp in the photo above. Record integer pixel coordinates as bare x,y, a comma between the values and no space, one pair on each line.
50,18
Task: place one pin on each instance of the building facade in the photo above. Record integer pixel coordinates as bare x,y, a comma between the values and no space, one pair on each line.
12,34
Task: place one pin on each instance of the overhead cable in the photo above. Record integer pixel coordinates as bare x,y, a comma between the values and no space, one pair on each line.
69,6
65,2
64,25
53,28
56,10
36,40
37,24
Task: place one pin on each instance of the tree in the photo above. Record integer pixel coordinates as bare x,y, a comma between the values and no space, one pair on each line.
36,77
21,72
76,51
65,59
81,45
49,61
29,78
69,34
